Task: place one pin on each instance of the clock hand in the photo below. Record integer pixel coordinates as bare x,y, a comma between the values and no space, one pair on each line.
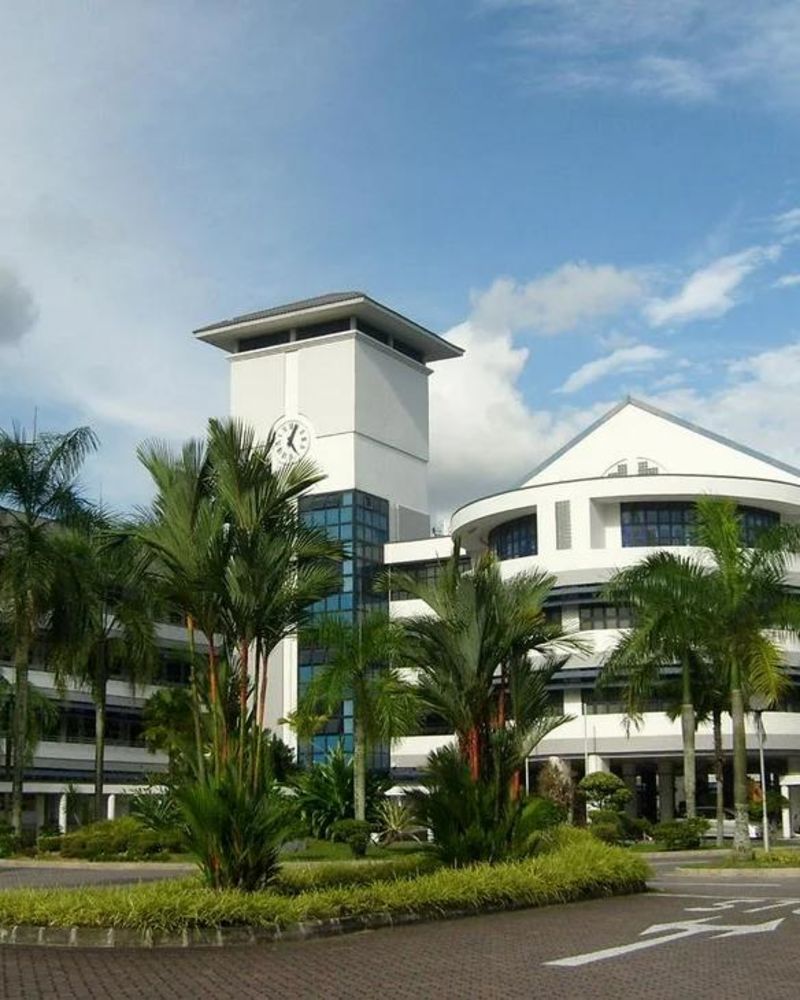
290,442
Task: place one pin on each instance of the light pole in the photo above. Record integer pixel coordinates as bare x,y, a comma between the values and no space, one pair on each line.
757,705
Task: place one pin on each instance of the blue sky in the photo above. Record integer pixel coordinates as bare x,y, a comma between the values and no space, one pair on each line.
594,198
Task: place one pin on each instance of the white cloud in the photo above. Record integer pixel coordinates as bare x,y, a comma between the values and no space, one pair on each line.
624,359
756,405
572,295
684,51
709,292
787,281
788,222
672,79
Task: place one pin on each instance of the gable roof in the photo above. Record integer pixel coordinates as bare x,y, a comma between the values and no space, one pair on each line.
664,415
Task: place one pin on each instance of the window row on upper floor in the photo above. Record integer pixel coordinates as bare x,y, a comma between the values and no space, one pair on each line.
643,523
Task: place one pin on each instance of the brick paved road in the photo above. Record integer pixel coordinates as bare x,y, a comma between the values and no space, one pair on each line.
494,956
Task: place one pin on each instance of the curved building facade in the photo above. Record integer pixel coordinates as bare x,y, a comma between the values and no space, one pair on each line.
623,488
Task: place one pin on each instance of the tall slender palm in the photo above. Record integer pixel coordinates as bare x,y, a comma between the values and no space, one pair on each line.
184,531
748,594
485,653
38,486
363,665
235,557
103,620
277,566
667,594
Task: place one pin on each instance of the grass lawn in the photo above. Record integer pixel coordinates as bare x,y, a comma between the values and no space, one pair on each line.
580,867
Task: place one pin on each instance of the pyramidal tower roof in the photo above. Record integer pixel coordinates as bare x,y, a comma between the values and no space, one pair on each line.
635,436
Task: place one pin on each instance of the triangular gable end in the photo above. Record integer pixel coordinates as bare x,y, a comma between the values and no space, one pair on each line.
635,438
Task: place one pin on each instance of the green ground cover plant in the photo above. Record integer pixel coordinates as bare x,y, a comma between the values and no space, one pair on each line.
581,867
788,857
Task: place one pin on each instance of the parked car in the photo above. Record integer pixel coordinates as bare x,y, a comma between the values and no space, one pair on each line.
728,823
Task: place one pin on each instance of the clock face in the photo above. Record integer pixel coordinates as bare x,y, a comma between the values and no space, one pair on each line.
292,440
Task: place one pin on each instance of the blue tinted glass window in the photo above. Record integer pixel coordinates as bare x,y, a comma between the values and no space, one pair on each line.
514,539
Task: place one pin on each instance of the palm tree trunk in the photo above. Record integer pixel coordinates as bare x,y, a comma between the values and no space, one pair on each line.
719,775
198,736
741,838
359,771
21,657
688,727
99,747
244,675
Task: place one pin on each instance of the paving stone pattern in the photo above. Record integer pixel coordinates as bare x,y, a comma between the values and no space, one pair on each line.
493,956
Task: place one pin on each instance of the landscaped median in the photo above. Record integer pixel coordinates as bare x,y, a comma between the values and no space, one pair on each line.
301,904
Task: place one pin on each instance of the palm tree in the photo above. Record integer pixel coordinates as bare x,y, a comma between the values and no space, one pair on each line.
748,594
277,566
233,555
184,531
363,665
102,620
484,657
38,486
666,593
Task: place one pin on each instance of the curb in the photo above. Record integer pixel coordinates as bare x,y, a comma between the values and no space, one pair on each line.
218,937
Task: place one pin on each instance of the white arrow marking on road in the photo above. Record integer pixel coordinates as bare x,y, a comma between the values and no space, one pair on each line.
681,929
773,906
728,904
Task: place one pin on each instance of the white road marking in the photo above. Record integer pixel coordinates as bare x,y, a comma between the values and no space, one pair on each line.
680,929
772,906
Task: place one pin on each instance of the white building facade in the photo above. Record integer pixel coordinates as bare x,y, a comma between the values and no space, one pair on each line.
344,379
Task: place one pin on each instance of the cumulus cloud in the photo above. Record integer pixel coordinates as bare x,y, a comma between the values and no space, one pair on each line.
485,435
710,291
563,299
625,359
18,310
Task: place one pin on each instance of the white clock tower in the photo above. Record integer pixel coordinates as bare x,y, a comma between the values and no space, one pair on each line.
348,378
343,379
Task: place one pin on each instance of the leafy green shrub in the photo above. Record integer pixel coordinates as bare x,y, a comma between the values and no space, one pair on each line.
580,868
157,810
356,833
325,793
681,834
609,833
635,827
9,842
605,791
234,832
124,839
396,821
49,843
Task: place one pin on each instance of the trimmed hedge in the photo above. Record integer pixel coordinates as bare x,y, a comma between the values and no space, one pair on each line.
294,879
581,868
123,839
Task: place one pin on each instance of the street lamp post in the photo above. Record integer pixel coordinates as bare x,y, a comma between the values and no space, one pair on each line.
757,706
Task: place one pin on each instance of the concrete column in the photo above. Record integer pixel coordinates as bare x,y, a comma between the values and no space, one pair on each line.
666,791
62,812
111,806
629,777
786,813
594,763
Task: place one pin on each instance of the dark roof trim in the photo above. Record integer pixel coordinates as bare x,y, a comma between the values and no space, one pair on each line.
331,299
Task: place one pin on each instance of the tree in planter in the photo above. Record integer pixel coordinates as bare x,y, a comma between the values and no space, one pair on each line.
605,791
39,491
362,666
747,590
485,654
102,620
325,795
554,782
